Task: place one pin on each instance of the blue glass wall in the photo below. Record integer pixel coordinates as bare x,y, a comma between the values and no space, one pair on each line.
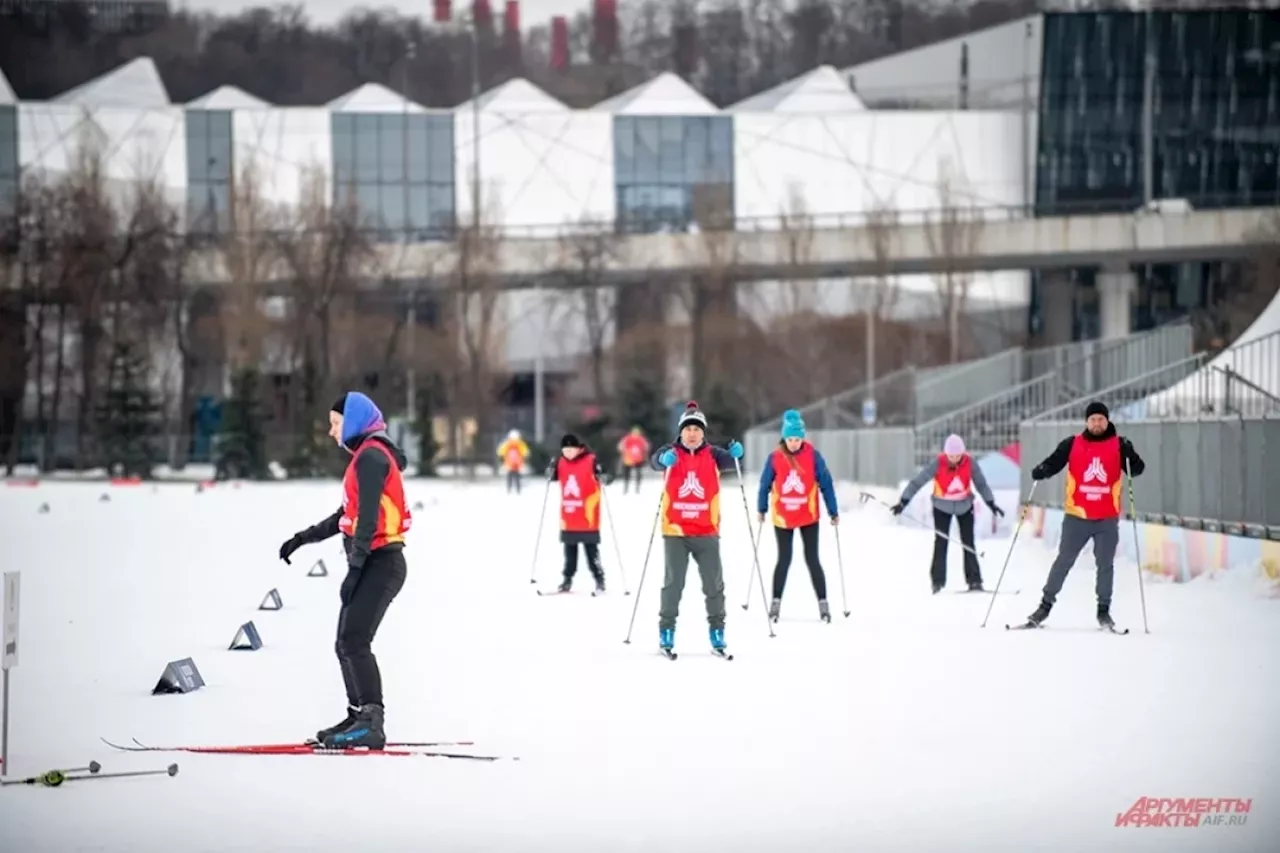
1216,110
210,168
9,179
670,171
398,171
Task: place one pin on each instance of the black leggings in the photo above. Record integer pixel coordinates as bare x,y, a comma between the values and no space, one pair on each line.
942,524
629,471
513,481
809,538
366,594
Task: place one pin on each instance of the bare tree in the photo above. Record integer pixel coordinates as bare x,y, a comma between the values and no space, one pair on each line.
879,232
953,232
586,255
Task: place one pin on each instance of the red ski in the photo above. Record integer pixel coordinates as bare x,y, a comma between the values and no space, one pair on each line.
392,748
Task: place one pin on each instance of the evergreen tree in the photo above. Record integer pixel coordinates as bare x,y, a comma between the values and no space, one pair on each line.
642,405
128,415
242,452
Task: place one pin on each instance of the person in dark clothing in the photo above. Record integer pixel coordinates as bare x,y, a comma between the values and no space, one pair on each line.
955,478
373,520
1096,461
578,473
790,481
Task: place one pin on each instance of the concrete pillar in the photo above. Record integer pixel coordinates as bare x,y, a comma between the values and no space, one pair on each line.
1116,286
1057,307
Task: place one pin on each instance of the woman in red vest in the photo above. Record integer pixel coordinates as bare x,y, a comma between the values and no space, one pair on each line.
790,480
578,473
690,512
373,520
955,477
1096,461
633,450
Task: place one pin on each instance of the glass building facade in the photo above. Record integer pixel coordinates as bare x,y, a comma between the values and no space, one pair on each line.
397,169
1214,140
1215,110
672,171
210,168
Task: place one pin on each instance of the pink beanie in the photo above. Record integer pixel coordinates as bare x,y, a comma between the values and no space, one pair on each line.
954,445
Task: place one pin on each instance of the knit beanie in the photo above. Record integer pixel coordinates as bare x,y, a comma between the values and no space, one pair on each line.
1097,407
953,446
792,424
570,440
692,417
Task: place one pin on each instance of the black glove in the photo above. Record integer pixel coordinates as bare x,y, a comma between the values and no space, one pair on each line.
1038,473
897,508
293,544
996,510
348,589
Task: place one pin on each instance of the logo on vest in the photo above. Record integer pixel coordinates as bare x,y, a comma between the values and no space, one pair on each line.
1095,473
957,489
791,487
571,494
691,488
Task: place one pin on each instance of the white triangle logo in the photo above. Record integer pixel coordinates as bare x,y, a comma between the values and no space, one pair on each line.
571,488
1095,472
793,483
691,486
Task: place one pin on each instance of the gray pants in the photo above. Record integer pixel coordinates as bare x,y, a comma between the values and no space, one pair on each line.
705,551
1076,533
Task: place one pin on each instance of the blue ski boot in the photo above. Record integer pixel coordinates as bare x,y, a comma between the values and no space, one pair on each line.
364,731
718,647
667,641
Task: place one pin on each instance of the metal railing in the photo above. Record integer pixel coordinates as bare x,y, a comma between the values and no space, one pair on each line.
1213,473
881,456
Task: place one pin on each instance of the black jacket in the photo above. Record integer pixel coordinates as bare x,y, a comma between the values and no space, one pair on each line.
371,472
1057,460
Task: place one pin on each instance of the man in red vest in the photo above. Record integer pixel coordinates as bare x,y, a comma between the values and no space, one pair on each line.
690,513
578,473
373,520
955,478
1096,461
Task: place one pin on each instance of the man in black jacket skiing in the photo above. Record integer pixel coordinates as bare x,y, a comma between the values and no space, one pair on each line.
1096,461
373,520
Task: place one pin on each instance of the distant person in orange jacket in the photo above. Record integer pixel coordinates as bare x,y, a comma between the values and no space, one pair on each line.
513,452
633,450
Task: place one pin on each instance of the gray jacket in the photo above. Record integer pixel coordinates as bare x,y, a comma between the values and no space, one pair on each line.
955,507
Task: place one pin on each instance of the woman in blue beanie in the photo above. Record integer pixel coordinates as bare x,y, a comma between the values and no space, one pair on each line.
790,481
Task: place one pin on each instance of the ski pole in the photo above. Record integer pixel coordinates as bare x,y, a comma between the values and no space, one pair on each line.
626,590
844,598
866,496
647,551
537,542
1137,554
1022,517
53,778
755,554
751,577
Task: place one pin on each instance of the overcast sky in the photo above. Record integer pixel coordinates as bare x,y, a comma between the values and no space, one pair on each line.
532,12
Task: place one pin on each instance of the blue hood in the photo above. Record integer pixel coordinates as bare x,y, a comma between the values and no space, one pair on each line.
360,415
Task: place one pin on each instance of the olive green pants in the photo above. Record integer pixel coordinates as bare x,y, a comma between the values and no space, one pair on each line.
705,551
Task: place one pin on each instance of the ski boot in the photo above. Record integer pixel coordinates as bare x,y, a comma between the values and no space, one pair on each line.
1104,617
976,586
1041,614
599,584
365,731
334,729
824,611
937,588
667,642
718,647
565,585
775,608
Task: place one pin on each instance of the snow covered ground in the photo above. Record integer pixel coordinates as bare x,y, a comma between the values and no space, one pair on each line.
905,727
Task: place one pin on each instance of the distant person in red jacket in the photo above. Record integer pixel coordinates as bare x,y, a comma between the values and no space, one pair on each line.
578,474
633,450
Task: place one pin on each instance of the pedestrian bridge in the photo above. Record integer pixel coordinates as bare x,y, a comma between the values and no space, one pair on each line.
936,242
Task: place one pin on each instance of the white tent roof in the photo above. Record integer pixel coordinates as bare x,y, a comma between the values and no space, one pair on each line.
6,93
1246,358
515,96
822,90
665,94
374,98
135,84
227,98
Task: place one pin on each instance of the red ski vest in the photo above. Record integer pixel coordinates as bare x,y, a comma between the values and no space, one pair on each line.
579,494
1094,477
691,495
394,517
953,484
794,494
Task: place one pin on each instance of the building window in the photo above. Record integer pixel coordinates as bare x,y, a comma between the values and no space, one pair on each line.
209,171
396,172
1215,111
9,177
672,172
